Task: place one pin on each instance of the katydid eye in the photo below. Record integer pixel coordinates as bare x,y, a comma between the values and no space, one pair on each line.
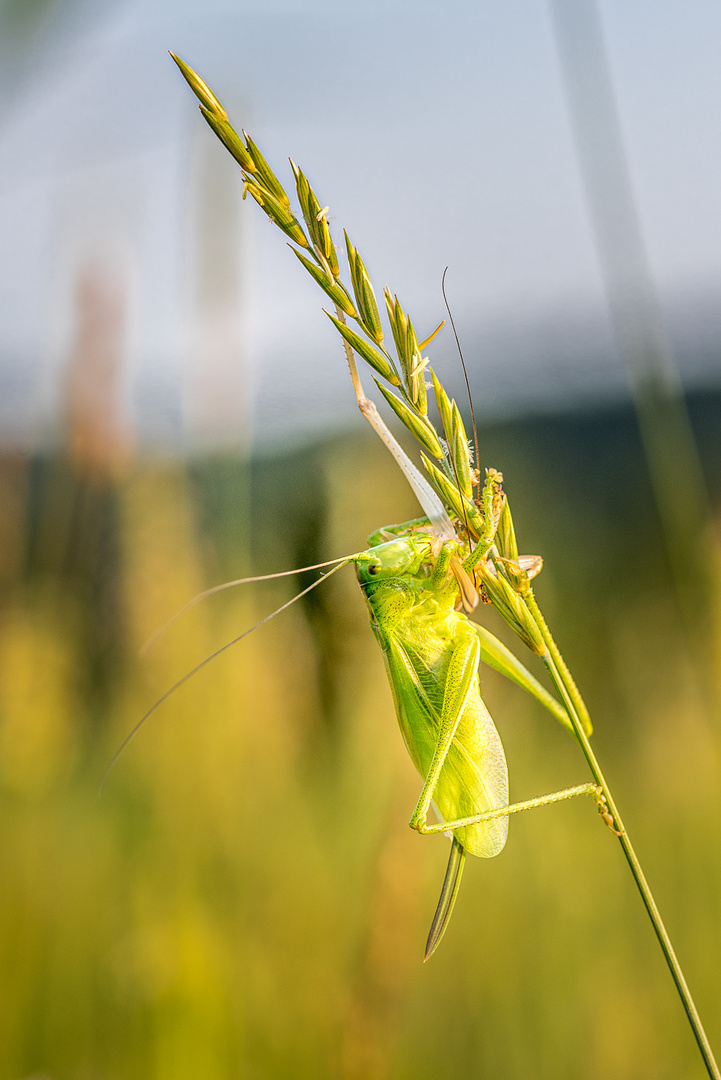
373,568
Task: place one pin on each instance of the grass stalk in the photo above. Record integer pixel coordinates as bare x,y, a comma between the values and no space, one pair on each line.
567,689
472,525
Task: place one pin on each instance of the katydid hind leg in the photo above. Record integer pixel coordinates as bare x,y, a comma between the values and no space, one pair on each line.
530,804
447,899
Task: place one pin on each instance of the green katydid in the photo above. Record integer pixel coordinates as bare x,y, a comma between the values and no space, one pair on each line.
432,654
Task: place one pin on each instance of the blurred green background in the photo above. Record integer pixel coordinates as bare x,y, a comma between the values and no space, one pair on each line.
246,899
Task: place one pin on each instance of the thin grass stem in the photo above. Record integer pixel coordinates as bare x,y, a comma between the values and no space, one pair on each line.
569,693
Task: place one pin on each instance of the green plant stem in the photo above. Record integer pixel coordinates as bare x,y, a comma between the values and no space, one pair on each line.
567,688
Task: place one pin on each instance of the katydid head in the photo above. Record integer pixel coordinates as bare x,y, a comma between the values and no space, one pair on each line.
396,558
405,556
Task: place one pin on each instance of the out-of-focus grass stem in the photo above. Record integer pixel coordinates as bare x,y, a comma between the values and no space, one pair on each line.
666,434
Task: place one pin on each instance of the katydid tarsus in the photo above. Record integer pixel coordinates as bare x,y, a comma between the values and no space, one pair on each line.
422,579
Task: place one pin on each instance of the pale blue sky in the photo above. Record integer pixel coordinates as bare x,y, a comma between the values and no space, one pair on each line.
437,133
